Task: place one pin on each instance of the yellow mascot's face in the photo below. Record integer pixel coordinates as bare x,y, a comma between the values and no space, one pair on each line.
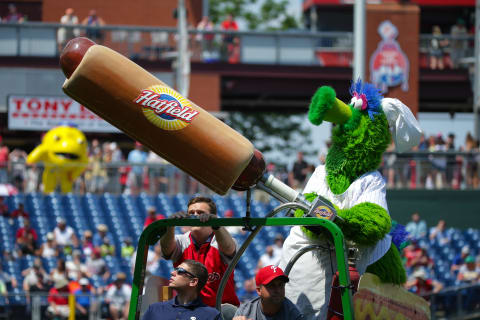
63,146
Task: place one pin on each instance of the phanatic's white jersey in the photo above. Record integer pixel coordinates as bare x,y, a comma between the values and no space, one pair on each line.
311,276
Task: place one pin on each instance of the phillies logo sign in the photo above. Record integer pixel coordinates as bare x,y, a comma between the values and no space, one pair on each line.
213,276
389,65
165,108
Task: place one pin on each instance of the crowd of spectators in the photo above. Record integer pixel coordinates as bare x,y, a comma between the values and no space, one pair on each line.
436,163
429,272
81,259
92,21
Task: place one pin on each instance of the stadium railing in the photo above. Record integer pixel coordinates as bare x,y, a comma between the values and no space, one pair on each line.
297,47
414,170
458,302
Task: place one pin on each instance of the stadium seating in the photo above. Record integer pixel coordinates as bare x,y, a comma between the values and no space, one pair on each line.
125,214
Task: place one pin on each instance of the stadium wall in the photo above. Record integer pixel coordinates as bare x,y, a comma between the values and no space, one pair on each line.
459,208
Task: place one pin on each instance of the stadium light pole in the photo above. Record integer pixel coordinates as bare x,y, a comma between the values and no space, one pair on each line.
359,40
183,55
476,96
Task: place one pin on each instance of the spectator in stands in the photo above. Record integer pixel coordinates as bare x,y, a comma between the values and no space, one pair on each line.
50,248
60,271
416,228
471,174
83,299
58,299
106,248
214,247
20,212
228,46
7,282
439,233
156,173
458,46
187,280
26,239
152,216
422,285
17,166
40,287
64,236
94,21
13,15
102,232
206,39
96,174
268,258
87,243
96,266
127,248
4,208
153,259
118,297
36,279
66,34
271,301
299,172
75,267
137,158
469,273
248,292
414,254
4,152
459,259
437,47
278,245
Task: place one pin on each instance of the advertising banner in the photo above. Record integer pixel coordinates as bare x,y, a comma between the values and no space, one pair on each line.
41,113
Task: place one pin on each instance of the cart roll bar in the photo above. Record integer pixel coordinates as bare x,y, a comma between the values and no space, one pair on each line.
157,229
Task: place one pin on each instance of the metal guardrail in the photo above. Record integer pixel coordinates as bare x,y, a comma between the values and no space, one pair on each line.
414,170
159,43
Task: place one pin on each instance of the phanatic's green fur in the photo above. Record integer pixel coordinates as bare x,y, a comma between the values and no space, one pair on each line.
365,223
357,148
389,268
324,98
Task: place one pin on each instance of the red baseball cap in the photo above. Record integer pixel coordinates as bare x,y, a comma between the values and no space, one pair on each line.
269,273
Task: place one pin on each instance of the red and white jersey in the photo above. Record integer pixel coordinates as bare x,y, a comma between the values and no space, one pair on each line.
215,262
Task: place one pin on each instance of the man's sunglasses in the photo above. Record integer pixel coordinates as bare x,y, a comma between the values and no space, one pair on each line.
182,271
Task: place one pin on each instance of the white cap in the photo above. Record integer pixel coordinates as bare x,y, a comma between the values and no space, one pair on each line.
405,129
83,282
420,273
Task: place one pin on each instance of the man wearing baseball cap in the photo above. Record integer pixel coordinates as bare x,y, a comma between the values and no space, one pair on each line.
271,303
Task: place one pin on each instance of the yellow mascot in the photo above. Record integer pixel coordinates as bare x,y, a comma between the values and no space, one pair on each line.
63,152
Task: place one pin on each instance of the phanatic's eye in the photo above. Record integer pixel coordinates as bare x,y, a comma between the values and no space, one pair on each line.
80,141
356,103
56,138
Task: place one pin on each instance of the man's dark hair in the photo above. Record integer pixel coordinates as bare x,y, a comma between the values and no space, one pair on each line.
199,270
211,204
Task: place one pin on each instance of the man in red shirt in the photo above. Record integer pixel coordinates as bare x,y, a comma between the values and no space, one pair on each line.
214,247
58,299
20,212
230,42
26,239
152,216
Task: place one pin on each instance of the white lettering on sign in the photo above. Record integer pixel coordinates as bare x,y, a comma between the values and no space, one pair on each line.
41,113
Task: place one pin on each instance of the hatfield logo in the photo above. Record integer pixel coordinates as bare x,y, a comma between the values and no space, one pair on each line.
389,65
323,212
165,108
